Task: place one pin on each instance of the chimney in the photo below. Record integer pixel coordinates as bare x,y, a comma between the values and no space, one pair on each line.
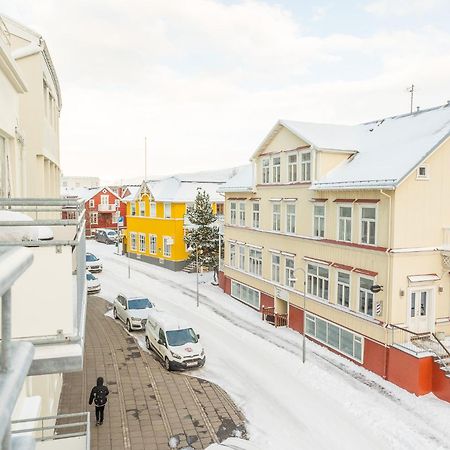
418,108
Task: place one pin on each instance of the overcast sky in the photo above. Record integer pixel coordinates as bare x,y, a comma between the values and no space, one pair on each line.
205,80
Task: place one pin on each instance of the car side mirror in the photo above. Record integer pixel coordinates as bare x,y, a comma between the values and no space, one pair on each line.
198,336
160,342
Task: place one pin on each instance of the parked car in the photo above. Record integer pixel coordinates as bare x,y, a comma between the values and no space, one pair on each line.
106,236
132,311
92,283
174,340
93,264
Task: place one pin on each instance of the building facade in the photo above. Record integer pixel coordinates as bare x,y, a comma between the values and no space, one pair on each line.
72,182
350,224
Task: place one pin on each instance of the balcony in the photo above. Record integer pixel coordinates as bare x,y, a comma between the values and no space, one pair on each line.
49,308
105,208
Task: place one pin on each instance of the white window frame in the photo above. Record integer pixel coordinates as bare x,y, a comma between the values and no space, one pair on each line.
255,261
426,175
167,210
91,203
93,216
233,261
292,168
256,215
242,258
321,286
276,169
117,202
367,222
104,199
153,244
290,218
152,209
240,292
320,221
367,295
289,272
265,170
142,208
142,243
345,222
133,241
305,166
167,248
274,215
233,213
132,208
276,268
242,214
345,288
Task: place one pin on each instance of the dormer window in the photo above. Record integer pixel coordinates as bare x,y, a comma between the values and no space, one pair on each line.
422,172
305,168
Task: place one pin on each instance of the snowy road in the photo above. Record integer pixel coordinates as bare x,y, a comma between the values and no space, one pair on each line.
326,403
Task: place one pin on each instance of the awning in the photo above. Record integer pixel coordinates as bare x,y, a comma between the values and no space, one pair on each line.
421,278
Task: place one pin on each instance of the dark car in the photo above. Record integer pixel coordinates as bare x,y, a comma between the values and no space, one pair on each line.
106,236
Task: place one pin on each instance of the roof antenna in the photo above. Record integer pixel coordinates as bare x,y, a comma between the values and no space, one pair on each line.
410,89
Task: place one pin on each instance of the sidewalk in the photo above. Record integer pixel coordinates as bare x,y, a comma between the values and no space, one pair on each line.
147,405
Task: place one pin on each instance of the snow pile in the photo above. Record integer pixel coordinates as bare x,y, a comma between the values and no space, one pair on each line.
22,233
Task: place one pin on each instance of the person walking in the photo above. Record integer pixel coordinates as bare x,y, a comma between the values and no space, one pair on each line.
99,396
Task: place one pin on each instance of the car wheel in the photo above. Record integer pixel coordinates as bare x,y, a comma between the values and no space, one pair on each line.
129,326
115,314
147,343
167,364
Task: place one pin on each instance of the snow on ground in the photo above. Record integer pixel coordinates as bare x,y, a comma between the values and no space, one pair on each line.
328,402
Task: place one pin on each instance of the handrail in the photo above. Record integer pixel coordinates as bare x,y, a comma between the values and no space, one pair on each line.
441,344
427,333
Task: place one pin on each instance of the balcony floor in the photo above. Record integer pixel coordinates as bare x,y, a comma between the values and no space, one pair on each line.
147,405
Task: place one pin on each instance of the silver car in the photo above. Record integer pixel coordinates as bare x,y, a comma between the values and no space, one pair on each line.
132,311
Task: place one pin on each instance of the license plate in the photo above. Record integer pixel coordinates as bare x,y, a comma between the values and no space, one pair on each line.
191,364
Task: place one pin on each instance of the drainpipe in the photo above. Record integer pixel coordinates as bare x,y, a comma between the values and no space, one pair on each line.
388,312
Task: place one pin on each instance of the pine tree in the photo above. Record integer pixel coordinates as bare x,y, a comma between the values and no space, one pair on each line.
203,236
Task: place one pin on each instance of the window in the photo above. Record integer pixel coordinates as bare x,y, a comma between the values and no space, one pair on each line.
289,272
276,216
368,225
245,294
152,239
91,203
233,213
219,209
232,255
255,262
115,216
133,209
167,210
422,172
292,168
255,215
365,296
117,202
104,199
317,281
94,218
141,242
133,241
265,170
345,223
242,214
142,208
152,209
343,289
242,257
276,268
290,218
305,166
319,221
339,338
167,244
276,169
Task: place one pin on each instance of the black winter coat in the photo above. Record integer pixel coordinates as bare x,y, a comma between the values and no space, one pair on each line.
99,395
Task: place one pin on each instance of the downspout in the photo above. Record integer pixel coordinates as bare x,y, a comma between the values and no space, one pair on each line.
388,313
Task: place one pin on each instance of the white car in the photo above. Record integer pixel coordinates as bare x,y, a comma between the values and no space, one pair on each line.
92,283
93,264
174,340
132,311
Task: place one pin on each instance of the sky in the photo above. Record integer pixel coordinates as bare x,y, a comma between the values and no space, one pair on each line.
205,80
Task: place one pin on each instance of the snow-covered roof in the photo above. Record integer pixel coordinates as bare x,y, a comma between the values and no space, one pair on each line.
167,321
85,193
242,181
133,191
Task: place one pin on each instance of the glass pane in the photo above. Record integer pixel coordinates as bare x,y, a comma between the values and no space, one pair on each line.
333,335
323,272
321,330
413,304
370,304
310,326
346,342
345,211
365,283
357,349
423,303
343,278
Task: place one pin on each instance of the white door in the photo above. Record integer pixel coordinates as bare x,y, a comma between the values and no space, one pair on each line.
420,310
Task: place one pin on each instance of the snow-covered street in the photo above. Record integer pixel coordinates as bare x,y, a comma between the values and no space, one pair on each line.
328,402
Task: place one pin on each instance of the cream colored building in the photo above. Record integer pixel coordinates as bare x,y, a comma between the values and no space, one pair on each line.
363,211
36,129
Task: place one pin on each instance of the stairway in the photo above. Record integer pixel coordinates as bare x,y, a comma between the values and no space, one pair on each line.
441,353
190,268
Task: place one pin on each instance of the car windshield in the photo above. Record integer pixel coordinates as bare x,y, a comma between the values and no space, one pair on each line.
112,234
139,303
181,337
90,257
90,277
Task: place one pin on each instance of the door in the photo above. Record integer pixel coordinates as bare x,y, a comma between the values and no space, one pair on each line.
420,310
161,347
121,308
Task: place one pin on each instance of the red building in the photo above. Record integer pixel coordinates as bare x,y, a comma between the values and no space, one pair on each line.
103,208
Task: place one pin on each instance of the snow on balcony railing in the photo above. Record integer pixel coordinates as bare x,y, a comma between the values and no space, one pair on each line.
106,208
51,296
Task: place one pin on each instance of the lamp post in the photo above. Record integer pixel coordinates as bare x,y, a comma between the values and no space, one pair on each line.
304,310
196,265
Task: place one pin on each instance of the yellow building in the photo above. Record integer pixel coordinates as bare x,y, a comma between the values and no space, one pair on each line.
351,224
157,220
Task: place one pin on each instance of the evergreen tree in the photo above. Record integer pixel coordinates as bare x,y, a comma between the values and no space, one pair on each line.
203,236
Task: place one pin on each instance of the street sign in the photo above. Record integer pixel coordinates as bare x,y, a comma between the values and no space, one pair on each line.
120,220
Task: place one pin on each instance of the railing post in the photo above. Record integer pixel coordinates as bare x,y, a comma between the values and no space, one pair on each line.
6,352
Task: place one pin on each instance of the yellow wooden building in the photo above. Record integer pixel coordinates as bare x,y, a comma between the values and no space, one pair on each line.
157,216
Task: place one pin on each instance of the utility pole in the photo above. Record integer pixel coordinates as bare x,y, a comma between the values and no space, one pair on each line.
410,89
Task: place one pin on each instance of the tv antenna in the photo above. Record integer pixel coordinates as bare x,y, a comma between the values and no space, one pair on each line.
410,89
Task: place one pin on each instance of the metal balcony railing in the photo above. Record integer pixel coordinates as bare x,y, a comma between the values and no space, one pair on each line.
106,208
16,357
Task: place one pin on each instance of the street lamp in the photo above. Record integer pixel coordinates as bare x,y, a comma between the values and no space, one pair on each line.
198,249
304,310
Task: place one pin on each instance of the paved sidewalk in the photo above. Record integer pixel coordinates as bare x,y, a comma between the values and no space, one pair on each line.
147,405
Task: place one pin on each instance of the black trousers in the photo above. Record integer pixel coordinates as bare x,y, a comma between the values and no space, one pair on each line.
99,413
